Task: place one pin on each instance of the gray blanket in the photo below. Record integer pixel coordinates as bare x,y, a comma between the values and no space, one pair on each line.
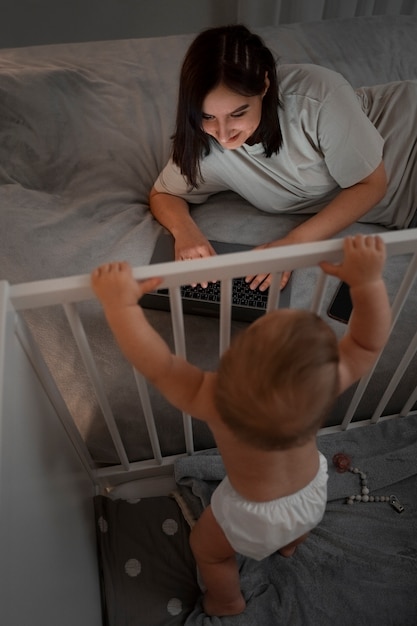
359,566
84,131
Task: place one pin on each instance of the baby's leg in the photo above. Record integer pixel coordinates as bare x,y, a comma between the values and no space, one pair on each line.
291,547
216,561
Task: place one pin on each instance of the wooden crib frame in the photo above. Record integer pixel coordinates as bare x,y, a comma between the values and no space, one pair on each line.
45,466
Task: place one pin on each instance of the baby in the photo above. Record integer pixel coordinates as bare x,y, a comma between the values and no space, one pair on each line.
272,392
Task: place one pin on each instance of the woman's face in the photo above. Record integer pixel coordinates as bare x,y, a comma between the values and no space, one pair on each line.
230,117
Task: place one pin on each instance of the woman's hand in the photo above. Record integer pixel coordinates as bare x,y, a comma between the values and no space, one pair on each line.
263,281
173,213
190,244
187,248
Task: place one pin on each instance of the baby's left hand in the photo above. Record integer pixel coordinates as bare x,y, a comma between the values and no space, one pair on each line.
115,287
363,260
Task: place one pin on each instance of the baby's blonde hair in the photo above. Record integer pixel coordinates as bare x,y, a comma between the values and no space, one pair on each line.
278,380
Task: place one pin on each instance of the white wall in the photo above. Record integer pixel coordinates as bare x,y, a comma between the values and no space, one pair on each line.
32,22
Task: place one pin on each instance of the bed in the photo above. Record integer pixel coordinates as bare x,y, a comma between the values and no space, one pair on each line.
85,129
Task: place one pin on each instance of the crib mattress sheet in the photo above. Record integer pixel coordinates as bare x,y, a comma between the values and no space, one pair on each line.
147,569
359,566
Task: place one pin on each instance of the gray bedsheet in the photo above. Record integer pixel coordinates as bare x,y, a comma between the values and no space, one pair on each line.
84,131
359,566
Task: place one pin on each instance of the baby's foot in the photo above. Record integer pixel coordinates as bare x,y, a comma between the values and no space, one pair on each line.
288,551
214,607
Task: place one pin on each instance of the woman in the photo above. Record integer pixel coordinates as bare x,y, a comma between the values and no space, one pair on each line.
302,141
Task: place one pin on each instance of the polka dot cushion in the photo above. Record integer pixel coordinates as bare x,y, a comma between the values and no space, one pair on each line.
147,569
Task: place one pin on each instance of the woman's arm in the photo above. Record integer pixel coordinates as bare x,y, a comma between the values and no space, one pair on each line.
345,209
174,214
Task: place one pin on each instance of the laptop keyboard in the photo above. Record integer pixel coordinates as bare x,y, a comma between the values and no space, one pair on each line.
242,295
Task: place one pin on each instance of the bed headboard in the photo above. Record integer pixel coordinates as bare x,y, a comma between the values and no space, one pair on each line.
57,21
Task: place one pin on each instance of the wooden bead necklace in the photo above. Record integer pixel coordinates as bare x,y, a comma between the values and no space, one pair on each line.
342,462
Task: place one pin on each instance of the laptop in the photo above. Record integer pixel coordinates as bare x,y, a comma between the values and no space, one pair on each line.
247,304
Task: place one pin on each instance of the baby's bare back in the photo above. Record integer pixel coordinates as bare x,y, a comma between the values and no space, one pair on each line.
263,475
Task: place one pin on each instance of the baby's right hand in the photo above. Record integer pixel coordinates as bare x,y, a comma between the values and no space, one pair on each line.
364,258
115,287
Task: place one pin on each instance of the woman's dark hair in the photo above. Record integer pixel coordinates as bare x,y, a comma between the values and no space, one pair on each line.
234,57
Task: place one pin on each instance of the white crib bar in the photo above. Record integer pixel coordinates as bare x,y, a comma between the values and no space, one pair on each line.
318,295
397,306
4,307
396,378
177,318
148,415
34,355
88,360
407,406
226,288
274,292
77,288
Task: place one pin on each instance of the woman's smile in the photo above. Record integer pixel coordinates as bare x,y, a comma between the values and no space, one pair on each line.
230,117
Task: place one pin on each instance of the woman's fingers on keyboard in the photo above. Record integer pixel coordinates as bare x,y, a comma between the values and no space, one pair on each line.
261,281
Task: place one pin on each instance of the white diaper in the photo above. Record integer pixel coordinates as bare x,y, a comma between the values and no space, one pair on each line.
257,529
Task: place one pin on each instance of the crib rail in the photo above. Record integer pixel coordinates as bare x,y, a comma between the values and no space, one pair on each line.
70,291
77,288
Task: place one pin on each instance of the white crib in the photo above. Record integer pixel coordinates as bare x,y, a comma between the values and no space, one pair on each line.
48,559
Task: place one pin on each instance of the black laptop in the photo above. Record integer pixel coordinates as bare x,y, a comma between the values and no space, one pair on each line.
247,304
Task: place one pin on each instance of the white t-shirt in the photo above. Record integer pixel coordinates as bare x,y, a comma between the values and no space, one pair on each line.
328,143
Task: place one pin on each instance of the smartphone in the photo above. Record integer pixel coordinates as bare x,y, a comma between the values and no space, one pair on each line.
340,307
